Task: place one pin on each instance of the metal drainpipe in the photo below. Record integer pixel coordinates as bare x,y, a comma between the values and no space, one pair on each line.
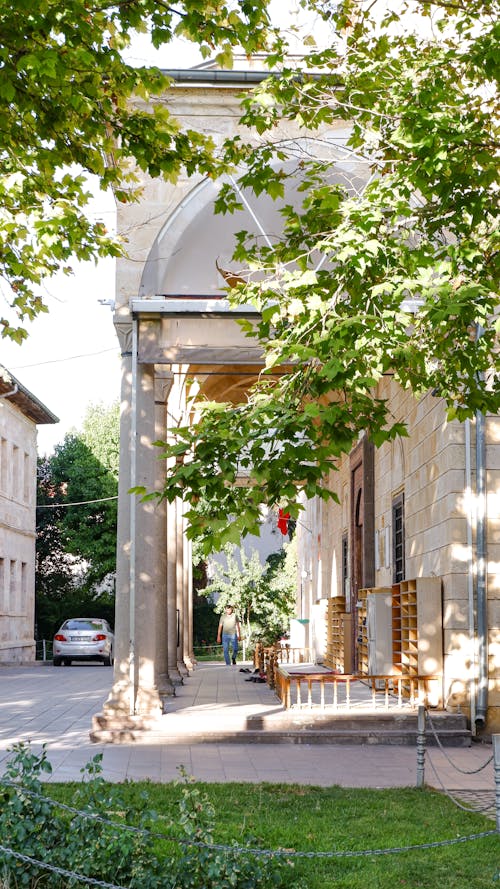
470,576
481,592
133,482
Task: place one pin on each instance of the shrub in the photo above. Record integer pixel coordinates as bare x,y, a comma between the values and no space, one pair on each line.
106,840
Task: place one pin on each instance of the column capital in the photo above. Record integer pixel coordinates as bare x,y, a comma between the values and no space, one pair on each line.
163,380
123,327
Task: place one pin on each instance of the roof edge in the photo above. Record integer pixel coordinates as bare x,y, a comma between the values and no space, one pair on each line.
225,77
13,390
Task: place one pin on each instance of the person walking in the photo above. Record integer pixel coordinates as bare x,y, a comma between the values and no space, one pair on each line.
229,632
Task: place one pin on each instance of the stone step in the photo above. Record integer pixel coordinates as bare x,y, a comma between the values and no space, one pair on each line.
361,736
376,721
289,728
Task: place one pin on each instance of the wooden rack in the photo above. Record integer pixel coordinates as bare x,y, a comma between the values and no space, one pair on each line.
338,654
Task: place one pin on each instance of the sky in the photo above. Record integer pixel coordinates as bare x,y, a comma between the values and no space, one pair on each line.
71,357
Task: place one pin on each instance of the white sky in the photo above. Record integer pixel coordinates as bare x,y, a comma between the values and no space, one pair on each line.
71,357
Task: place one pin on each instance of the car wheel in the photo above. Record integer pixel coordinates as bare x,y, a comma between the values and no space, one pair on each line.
56,662
67,662
108,661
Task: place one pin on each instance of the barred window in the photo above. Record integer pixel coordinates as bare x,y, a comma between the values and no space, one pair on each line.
398,538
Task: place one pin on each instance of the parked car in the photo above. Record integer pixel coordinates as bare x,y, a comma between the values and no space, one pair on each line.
83,639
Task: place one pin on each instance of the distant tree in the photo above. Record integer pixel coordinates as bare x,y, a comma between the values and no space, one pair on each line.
101,433
76,544
264,597
88,527
54,571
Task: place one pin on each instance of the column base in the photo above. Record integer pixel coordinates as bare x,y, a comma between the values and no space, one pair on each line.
116,724
182,668
119,729
175,675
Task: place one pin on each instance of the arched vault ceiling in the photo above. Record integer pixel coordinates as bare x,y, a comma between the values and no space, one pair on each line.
182,260
181,276
229,383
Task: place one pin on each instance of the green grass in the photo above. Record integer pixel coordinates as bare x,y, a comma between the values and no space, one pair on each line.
303,818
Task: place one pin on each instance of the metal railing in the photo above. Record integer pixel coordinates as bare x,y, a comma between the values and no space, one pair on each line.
43,649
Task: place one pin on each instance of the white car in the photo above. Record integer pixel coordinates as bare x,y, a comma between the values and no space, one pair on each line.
83,639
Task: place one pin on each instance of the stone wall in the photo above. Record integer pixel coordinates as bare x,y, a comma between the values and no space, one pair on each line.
17,534
429,468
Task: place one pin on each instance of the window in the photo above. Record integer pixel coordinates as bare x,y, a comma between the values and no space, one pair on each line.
4,462
345,567
27,478
24,588
16,492
12,599
398,538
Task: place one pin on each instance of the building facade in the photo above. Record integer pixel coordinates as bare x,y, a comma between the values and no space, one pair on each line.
421,507
20,413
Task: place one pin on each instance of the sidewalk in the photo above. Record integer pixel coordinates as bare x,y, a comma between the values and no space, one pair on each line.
55,707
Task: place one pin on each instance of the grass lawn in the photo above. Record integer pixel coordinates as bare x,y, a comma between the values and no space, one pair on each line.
303,818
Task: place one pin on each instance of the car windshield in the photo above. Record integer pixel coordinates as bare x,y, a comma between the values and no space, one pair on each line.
83,625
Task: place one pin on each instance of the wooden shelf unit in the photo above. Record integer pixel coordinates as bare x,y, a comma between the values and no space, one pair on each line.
396,628
362,640
417,630
361,633
338,636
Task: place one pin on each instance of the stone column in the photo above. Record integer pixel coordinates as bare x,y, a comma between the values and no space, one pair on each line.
173,618
121,699
135,698
189,659
162,385
148,583
183,552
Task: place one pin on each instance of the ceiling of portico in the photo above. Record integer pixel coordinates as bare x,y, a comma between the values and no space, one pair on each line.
227,382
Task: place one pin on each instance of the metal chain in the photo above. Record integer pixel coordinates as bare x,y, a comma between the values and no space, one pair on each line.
92,816
59,870
457,768
447,793
249,850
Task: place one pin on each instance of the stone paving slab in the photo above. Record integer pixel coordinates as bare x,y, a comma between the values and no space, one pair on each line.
55,707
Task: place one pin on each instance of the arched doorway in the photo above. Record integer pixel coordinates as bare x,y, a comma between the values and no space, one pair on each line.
362,522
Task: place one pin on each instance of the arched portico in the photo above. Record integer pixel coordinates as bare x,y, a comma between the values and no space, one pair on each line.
178,324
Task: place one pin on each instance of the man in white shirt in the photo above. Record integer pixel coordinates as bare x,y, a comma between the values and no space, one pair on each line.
229,633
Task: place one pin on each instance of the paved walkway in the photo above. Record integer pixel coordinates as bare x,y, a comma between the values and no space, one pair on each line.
55,707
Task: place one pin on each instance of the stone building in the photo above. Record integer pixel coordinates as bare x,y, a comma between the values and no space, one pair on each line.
422,509
173,322
20,413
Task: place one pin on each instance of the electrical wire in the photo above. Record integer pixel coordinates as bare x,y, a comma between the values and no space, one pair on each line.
78,503
69,358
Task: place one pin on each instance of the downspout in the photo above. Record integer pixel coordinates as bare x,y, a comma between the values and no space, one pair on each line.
133,502
481,592
470,577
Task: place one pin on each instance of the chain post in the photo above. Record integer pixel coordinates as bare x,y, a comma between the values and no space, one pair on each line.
496,772
421,746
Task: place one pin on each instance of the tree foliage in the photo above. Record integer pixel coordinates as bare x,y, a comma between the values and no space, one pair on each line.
76,545
71,107
262,596
399,279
